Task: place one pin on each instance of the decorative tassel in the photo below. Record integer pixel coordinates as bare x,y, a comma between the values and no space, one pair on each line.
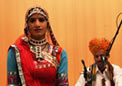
94,72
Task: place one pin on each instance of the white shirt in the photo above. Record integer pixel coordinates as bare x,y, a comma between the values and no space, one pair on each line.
99,76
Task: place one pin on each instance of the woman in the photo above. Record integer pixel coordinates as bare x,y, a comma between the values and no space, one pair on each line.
36,59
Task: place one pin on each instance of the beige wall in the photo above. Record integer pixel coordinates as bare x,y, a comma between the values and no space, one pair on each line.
74,23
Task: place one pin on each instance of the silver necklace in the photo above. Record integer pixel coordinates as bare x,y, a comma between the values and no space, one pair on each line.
37,42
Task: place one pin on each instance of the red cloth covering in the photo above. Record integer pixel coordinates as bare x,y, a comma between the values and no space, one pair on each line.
32,75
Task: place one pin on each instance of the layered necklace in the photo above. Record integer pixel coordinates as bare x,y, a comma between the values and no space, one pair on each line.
36,48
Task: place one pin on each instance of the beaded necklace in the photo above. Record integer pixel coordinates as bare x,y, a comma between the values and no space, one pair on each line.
36,48
37,42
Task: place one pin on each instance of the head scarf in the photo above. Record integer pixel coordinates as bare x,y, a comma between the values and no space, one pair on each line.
98,45
50,38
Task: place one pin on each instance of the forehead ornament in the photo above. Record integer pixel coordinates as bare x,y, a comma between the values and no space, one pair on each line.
36,10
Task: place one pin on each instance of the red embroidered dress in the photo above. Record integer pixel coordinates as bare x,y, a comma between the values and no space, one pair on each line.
30,72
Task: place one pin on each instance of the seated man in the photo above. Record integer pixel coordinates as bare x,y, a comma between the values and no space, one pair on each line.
102,72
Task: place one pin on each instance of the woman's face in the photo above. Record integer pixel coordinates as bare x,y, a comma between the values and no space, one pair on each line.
37,26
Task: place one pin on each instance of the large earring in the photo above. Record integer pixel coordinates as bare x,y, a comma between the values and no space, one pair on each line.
48,25
29,35
48,38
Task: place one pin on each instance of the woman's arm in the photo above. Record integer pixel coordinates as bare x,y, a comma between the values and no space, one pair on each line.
62,72
12,73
